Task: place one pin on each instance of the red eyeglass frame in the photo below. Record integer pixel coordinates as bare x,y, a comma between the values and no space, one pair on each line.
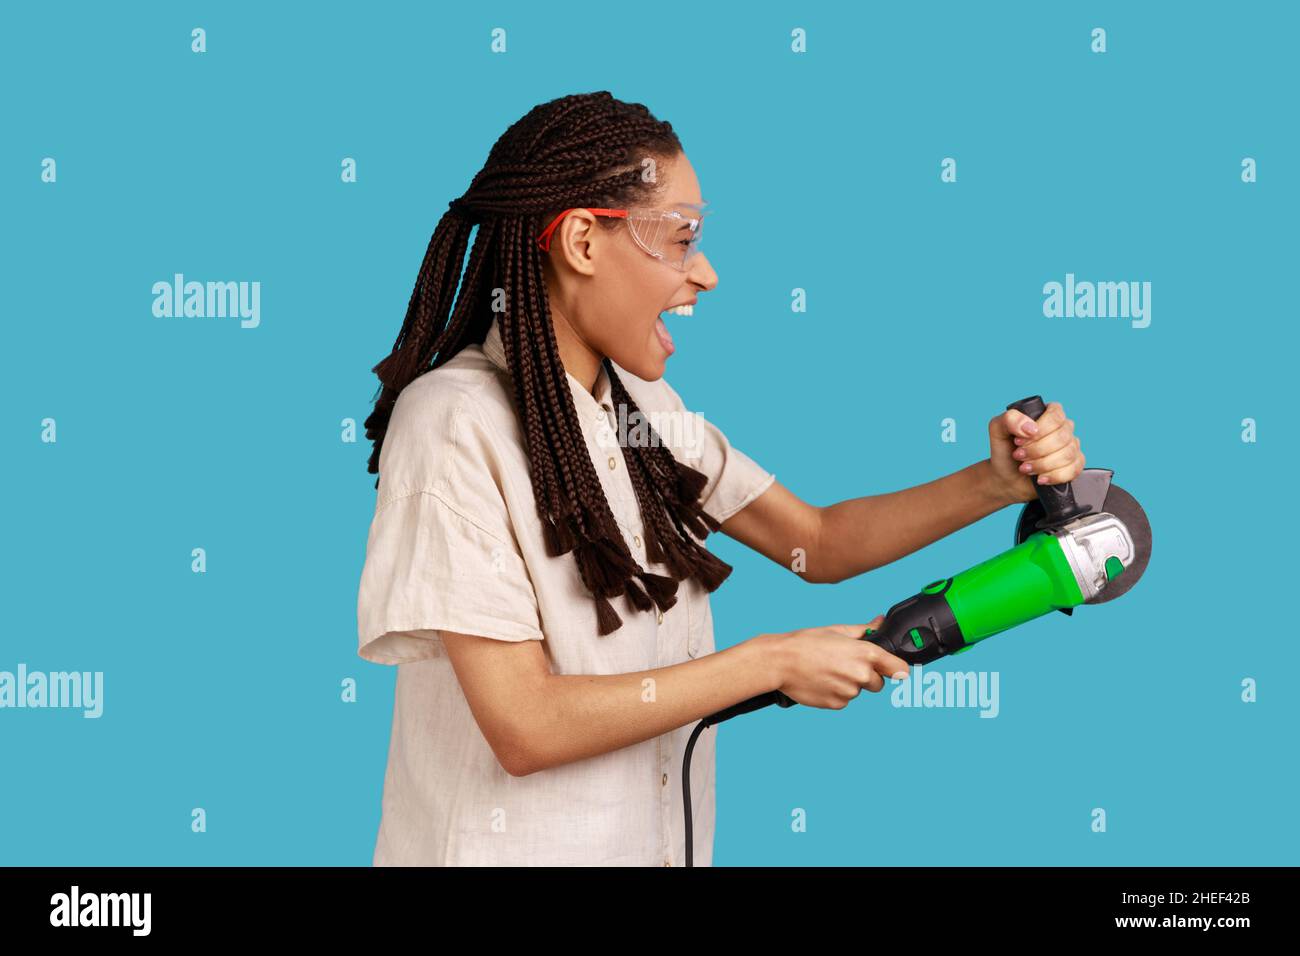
544,240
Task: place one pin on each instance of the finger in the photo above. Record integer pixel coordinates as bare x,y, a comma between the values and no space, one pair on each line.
856,630
1058,439
1061,458
1067,473
1049,430
876,623
1044,440
1012,423
840,630
887,664
1051,419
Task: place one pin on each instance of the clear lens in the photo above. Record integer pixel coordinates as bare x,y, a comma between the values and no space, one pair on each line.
670,234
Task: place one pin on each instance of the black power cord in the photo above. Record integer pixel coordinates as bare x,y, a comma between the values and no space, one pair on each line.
765,700
744,707
686,786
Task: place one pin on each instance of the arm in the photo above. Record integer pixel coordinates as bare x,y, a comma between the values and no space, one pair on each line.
862,534
533,719
845,539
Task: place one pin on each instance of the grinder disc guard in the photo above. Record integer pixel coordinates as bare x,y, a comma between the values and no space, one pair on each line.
1093,487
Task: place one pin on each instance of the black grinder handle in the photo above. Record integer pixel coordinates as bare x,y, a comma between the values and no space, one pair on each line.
1058,501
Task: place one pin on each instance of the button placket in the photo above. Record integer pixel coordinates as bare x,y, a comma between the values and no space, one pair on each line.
615,481
666,804
698,615
627,514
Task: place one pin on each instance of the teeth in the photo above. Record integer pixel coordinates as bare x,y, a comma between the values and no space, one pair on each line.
682,310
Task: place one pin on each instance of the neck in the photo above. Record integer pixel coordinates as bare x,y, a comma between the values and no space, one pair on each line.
580,359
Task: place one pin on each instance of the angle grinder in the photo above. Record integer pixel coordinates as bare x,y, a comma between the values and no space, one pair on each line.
1086,541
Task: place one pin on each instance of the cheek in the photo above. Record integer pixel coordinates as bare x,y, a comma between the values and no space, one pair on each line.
630,298
637,298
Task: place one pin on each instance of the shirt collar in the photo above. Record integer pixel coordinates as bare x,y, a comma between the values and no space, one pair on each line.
496,352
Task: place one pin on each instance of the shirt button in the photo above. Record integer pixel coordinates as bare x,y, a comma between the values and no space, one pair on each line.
612,463
637,539
661,617
667,863
665,780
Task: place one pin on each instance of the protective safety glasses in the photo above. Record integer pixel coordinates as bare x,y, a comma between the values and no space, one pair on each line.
669,233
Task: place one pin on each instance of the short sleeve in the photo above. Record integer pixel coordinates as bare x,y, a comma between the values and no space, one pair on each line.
430,568
442,553
734,478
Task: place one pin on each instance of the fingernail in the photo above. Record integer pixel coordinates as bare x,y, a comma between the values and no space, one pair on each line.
1042,479
901,675
1030,428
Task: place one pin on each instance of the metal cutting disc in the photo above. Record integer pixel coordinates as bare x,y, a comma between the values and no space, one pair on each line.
1094,487
1125,507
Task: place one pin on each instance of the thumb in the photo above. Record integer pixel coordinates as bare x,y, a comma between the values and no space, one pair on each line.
1012,423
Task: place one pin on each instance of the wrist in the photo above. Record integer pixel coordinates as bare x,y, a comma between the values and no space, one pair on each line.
773,663
996,492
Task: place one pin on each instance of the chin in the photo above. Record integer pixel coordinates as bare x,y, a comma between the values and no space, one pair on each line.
647,368
647,364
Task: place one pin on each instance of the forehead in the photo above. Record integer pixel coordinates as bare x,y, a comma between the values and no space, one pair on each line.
679,182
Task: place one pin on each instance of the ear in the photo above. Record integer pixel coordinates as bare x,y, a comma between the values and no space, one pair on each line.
576,241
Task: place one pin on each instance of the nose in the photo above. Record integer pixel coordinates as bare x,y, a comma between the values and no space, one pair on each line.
701,272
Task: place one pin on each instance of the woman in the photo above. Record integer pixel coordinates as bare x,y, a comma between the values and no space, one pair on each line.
536,558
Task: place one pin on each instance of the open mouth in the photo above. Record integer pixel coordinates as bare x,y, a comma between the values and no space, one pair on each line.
666,339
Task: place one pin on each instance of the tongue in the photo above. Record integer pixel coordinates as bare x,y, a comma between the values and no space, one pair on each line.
665,339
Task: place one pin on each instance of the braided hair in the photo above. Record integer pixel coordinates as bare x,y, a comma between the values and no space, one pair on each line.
575,151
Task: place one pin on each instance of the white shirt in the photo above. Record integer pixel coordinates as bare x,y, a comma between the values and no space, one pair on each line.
456,545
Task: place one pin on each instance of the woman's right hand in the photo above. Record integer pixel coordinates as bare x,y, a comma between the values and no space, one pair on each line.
829,666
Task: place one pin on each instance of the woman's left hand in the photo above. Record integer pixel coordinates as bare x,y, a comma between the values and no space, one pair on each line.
1022,457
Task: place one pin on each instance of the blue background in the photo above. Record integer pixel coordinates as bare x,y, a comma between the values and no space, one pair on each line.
924,302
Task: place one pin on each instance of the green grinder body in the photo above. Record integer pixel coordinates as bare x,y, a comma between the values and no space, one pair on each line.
952,615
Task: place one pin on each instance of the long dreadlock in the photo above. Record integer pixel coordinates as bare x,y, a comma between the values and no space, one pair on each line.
576,151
